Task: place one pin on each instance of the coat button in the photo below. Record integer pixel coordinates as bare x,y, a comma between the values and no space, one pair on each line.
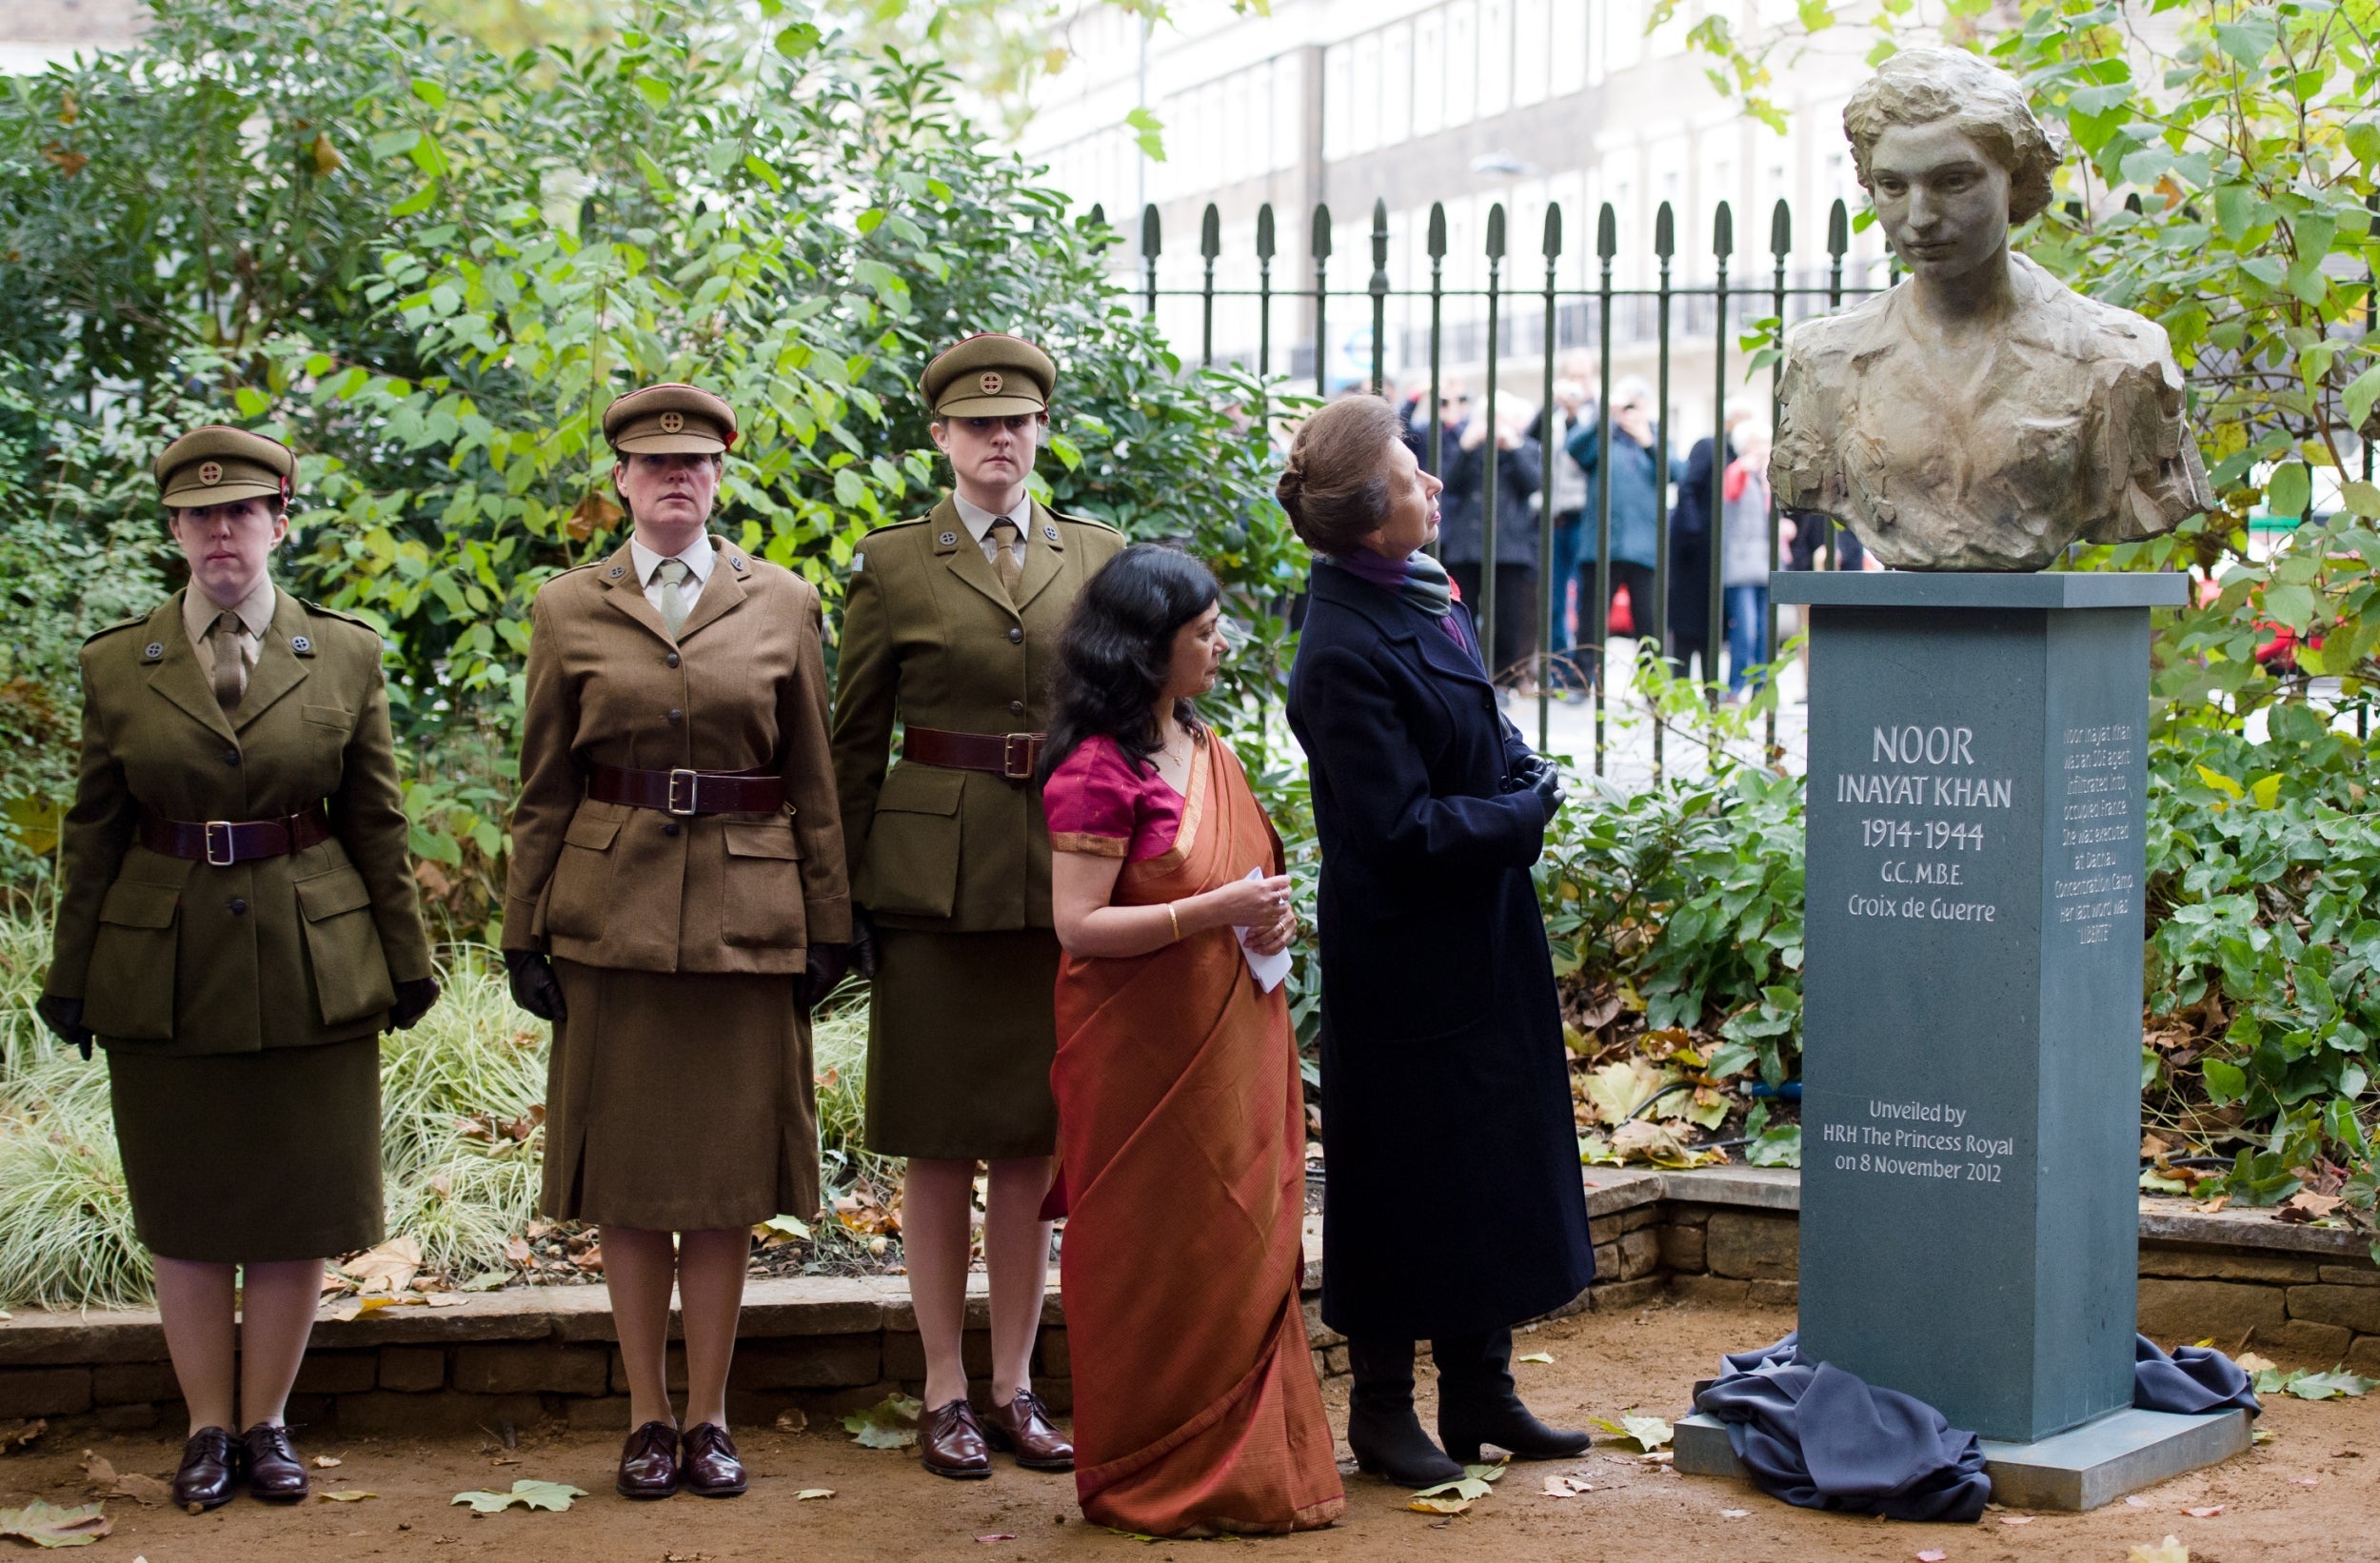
239,907
671,660
676,716
669,827
230,757
1015,634
1016,708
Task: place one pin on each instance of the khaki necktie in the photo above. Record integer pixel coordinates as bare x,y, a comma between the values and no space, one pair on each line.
1005,534
231,677
673,604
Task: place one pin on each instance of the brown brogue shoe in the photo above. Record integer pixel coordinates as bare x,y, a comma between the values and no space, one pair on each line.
271,1465
1022,1427
648,1463
709,1468
950,1441
211,1466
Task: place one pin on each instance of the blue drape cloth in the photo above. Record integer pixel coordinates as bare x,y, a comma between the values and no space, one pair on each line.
1822,1439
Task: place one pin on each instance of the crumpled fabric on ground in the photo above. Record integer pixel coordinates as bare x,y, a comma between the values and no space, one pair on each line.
2195,1379
1822,1439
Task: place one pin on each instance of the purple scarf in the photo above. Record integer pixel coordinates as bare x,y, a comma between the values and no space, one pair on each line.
1418,581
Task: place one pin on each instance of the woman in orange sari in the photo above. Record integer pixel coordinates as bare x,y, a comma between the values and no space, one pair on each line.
1181,1117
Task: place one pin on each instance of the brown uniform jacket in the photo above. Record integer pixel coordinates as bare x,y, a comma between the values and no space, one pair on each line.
742,687
930,636
172,955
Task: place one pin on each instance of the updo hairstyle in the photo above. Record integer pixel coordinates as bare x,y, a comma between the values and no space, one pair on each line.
1335,485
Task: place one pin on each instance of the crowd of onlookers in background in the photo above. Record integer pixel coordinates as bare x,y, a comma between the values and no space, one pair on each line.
1551,463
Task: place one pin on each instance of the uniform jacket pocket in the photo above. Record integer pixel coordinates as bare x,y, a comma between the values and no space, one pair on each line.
343,947
762,904
912,866
129,988
582,883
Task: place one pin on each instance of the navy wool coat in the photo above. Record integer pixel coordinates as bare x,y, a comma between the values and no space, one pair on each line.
1453,1203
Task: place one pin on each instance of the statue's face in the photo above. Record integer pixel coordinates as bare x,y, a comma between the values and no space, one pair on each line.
1942,198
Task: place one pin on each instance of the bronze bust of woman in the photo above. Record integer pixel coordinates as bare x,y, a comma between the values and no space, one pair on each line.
1980,415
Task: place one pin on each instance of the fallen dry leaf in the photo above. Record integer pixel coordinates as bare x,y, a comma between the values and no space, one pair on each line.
1439,1506
2016,1519
22,1435
48,1525
388,1268
2251,1362
1557,1488
998,1536
792,1421
2206,1510
2169,1550
1734,1513
326,1462
104,1481
2137,1502
1535,1356
349,1496
1932,1554
810,1494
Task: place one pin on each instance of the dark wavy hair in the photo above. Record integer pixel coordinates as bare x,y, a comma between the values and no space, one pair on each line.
1118,650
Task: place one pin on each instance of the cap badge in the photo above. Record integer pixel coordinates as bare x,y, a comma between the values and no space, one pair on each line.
211,473
300,645
154,650
991,383
672,422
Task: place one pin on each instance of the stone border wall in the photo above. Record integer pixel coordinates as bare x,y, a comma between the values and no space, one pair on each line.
827,1346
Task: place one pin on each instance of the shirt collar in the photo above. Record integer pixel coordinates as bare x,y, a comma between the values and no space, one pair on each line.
699,557
979,521
255,611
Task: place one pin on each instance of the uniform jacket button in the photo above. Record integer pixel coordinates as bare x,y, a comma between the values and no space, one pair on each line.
239,907
669,827
1016,708
1015,634
671,659
676,715
230,757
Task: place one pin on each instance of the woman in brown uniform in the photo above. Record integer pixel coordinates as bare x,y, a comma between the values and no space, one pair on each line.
951,627
237,923
675,906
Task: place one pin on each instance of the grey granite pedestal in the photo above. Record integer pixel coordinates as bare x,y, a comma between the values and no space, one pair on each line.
1970,1068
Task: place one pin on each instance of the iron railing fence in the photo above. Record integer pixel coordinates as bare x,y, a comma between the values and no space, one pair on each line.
1601,318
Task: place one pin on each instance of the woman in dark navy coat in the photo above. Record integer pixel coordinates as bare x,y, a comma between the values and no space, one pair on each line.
1453,1207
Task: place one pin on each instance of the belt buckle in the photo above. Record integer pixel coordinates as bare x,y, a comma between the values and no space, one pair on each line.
693,793
231,854
1011,768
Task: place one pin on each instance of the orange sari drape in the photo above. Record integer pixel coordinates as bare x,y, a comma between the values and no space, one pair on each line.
1181,1132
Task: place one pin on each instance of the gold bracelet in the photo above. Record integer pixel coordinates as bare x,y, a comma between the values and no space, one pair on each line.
1176,921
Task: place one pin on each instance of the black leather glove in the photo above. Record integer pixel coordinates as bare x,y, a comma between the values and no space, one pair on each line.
862,948
1529,772
64,1016
413,1002
1548,787
828,965
534,986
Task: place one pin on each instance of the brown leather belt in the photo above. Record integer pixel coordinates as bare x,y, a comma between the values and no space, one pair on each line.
685,792
219,843
1009,755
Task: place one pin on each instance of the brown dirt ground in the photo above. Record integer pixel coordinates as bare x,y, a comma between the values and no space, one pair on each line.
886,1507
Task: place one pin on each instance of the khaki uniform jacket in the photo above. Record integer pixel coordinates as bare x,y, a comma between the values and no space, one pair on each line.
930,636
175,957
742,687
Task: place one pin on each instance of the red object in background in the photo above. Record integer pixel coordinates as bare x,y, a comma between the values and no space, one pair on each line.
2277,655
1623,619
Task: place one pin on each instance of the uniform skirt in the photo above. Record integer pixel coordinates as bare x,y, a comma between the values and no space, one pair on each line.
240,1157
679,1101
960,1032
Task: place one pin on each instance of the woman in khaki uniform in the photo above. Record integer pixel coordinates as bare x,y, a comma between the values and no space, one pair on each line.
237,922
676,904
951,627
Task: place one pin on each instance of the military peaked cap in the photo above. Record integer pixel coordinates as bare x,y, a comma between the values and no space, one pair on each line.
989,376
669,418
215,464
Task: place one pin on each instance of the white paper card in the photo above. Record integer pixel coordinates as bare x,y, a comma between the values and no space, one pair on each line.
1267,969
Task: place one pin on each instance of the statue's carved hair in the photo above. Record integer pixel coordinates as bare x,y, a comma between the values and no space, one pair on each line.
1923,85
1336,484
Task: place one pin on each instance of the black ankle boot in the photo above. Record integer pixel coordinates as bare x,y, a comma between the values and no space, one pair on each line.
1477,1404
1381,1428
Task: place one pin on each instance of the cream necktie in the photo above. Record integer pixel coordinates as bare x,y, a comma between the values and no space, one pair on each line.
673,604
230,676
1006,535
